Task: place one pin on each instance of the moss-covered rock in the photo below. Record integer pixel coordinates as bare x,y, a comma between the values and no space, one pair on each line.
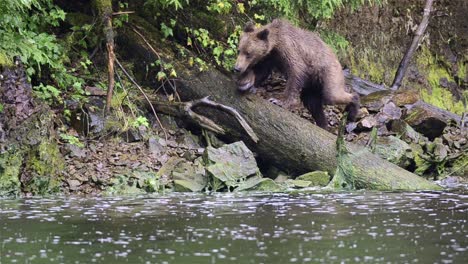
392,149
10,167
316,178
42,173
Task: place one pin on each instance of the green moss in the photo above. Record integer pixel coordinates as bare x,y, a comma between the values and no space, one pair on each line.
44,166
434,72
367,64
462,69
103,6
10,165
460,166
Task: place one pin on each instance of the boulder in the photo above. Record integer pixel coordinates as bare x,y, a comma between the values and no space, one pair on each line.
316,178
392,149
231,163
429,120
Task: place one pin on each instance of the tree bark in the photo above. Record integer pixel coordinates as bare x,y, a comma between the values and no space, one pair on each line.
104,8
286,140
414,45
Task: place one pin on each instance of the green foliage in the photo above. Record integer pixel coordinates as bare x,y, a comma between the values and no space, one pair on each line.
336,41
141,121
299,9
217,41
166,4
25,32
74,140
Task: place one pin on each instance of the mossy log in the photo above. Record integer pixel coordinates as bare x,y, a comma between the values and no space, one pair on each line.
286,140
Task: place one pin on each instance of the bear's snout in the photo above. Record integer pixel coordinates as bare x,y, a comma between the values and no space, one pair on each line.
237,69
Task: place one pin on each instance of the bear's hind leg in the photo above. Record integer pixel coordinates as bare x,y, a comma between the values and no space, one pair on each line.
314,104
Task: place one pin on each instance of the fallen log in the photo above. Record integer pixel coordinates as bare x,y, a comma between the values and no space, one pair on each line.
286,140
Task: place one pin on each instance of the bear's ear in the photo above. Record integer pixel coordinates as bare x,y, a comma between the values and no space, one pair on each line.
249,27
263,35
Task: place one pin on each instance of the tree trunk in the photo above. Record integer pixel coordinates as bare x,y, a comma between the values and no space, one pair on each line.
286,140
104,8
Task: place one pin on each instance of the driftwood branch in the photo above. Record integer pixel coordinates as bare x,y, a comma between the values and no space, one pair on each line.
186,110
414,45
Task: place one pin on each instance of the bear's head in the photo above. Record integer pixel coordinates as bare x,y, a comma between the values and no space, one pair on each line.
253,47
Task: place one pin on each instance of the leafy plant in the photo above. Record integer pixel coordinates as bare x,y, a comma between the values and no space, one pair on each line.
74,140
141,121
24,32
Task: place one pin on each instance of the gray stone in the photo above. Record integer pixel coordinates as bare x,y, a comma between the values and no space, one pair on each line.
404,131
73,184
231,163
392,149
429,120
190,176
75,151
391,111
155,147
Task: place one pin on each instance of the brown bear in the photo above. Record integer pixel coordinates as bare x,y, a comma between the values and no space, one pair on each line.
313,71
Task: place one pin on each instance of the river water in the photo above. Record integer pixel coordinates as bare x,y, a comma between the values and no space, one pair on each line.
367,227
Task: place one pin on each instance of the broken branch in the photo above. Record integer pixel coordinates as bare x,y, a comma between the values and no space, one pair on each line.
414,45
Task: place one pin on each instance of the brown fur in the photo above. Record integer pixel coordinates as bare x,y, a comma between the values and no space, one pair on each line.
313,71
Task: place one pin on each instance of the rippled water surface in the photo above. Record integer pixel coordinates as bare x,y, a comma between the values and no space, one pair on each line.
234,228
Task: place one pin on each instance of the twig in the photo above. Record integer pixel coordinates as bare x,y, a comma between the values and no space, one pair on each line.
414,45
159,58
122,13
126,93
144,94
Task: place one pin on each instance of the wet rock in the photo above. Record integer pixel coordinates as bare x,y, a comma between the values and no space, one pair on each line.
155,147
132,135
251,183
90,120
367,123
230,163
282,178
75,151
375,101
73,184
189,141
266,185
391,111
392,149
452,182
438,150
363,112
190,176
405,97
404,131
429,120
316,178
298,183
351,126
